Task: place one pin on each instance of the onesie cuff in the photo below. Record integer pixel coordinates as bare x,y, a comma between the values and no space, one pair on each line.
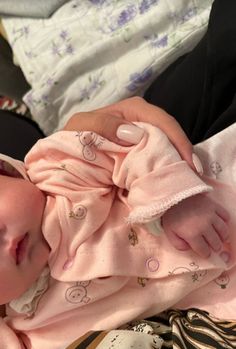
155,193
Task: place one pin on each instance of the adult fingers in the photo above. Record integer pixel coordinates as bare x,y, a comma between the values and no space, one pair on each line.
107,120
137,109
114,128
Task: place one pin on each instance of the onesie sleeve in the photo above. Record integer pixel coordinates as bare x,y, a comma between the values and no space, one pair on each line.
156,177
152,172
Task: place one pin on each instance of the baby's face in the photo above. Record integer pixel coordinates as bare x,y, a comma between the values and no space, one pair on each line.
23,250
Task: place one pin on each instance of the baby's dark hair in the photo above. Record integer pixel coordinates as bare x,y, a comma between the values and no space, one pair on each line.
4,173
11,167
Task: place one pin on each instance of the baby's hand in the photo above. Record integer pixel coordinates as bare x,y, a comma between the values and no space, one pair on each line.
198,223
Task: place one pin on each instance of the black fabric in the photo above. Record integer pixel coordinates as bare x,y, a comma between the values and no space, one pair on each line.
194,329
199,88
17,134
12,81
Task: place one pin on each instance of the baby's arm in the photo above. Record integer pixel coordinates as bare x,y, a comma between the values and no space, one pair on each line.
198,223
163,182
156,177
84,167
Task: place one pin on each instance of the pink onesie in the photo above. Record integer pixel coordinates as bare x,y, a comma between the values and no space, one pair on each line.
107,264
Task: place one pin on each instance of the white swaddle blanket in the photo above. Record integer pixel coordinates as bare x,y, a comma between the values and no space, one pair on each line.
94,52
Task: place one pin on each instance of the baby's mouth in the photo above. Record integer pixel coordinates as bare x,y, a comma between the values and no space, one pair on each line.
21,248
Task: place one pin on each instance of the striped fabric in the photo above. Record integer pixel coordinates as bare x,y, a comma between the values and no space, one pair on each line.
190,329
89,341
195,329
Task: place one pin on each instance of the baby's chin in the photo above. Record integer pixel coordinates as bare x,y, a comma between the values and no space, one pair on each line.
26,285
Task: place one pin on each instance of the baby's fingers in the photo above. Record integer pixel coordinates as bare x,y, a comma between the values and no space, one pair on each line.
200,246
177,242
221,227
222,213
213,239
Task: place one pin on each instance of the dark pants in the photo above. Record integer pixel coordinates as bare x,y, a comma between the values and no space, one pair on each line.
12,80
199,88
17,134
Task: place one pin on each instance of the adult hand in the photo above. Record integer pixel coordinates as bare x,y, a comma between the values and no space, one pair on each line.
114,122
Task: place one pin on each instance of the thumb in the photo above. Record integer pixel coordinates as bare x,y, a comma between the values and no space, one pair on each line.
114,128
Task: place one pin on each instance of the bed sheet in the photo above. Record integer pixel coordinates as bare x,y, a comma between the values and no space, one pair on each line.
94,52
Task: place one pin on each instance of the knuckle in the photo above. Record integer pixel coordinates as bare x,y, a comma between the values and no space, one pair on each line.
102,124
137,99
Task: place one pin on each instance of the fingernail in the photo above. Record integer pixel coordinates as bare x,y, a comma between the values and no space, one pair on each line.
197,164
130,133
225,256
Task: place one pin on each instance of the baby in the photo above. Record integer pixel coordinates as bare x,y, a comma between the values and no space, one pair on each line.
82,244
